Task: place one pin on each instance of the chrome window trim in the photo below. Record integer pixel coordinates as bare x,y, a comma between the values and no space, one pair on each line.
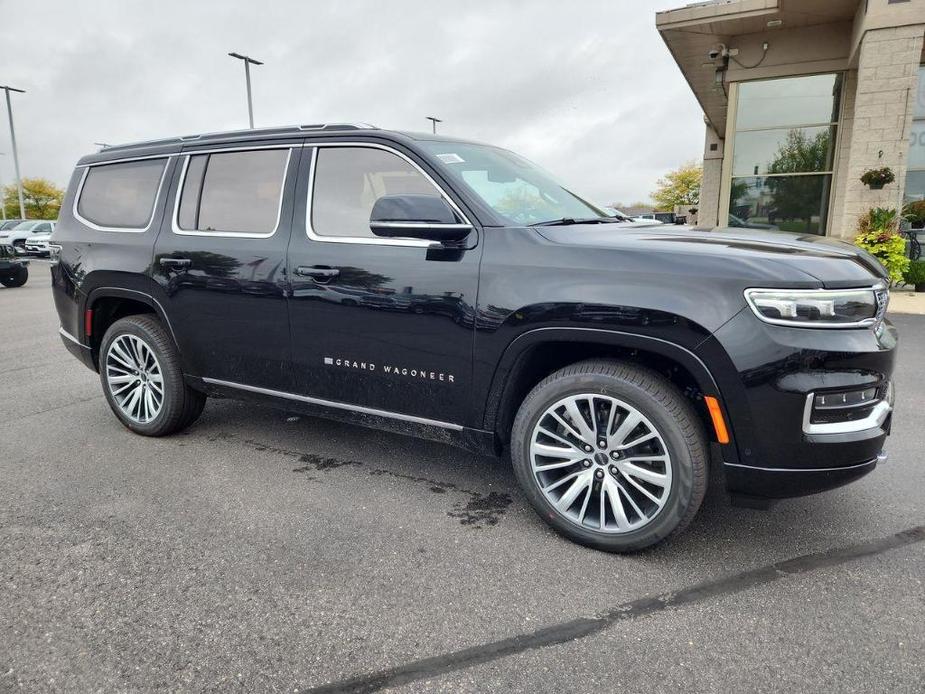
876,417
420,225
129,230
123,160
334,404
175,217
372,241
241,148
816,325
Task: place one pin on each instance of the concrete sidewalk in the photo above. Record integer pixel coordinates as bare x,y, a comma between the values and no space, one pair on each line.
905,300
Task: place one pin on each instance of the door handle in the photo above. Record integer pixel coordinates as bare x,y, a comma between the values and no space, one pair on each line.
176,262
317,273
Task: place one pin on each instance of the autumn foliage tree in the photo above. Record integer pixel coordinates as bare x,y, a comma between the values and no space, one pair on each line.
41,197
680,187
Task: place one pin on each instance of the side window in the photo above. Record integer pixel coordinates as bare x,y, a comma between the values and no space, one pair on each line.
42,228
349,180
121,196
235,192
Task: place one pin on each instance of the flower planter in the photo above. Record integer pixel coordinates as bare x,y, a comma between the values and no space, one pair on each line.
875,186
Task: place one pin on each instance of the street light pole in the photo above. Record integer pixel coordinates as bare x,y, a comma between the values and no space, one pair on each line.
9,113
2,193
434,120
247,77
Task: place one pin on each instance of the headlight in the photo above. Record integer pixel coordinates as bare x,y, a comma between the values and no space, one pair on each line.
819,308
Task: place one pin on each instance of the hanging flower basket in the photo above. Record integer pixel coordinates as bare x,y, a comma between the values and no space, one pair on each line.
875,179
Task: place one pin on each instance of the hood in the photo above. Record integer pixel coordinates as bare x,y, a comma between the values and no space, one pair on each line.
784,257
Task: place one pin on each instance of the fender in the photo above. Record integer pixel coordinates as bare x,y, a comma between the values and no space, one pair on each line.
105,292
614,338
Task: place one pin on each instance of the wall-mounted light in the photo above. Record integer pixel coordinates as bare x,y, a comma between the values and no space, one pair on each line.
772,23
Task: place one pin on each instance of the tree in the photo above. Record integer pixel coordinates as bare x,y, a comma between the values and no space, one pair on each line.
799,197
41,197
680,187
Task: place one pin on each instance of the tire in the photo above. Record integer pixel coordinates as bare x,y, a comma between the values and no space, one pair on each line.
15,278
180,405
617,471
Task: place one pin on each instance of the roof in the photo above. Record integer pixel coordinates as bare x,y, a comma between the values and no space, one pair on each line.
170,145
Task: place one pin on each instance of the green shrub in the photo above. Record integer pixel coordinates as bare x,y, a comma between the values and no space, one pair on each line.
915,273
915,212
878,235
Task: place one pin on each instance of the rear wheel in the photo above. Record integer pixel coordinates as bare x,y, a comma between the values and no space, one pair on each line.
15,278
142,379
611,455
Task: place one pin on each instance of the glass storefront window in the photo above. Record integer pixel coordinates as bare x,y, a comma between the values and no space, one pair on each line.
790,101
783,153
915,173
792,150
780,203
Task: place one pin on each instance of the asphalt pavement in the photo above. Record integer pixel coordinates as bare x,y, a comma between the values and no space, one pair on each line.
262,551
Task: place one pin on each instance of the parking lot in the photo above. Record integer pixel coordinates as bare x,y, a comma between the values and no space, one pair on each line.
263,551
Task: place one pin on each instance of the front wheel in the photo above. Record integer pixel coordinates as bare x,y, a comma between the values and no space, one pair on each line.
15,278
611,455
142,378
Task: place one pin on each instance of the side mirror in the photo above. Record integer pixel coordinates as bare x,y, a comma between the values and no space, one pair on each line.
416,217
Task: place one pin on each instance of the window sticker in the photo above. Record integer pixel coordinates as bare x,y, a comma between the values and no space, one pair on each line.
451,158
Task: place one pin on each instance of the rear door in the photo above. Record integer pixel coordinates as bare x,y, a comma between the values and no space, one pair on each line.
221,260
383,324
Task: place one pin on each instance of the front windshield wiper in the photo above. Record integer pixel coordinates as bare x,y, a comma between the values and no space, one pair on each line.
565,221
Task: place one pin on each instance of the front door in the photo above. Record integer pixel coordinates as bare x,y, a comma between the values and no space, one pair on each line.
383,324
221,260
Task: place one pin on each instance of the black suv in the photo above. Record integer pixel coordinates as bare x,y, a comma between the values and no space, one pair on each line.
453,290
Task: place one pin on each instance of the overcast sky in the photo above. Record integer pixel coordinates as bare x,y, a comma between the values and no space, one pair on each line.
586,89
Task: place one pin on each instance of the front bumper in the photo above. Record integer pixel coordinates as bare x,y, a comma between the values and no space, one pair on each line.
772,375
40,247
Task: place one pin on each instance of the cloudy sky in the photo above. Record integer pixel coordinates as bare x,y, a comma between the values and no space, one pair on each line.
586,89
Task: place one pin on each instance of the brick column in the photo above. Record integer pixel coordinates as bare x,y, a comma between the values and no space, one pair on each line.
880,98
708,208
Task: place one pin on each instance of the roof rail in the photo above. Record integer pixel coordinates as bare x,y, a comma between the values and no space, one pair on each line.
338,126
276,131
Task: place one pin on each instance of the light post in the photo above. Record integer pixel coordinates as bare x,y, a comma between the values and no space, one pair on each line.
9,113
2,193
434,121
247,76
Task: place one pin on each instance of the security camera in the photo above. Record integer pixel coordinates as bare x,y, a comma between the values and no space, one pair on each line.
717,52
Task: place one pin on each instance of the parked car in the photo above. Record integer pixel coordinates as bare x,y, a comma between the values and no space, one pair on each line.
634,221
14,271
9,223
611,367
18,235
39,243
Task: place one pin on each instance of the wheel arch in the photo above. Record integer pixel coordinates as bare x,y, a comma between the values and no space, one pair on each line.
533,355
109,304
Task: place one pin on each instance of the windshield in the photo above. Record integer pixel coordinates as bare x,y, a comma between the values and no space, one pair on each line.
515,188
25,226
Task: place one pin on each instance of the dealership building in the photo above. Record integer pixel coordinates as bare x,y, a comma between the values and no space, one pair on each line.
800,98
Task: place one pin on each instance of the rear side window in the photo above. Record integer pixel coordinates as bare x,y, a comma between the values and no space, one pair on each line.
233,192
349,180
121,196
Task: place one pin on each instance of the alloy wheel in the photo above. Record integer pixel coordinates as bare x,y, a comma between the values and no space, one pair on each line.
600,463
134,377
